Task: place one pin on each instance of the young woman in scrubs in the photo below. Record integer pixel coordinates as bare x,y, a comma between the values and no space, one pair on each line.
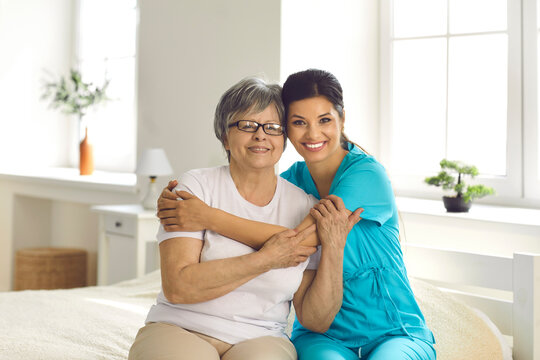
379,317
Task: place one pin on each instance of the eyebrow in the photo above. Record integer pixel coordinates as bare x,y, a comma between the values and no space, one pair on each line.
301,117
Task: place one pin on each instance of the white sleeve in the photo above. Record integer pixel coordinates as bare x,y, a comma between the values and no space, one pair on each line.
191,183
314,260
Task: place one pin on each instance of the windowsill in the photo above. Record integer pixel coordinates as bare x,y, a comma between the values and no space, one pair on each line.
478,212
99,180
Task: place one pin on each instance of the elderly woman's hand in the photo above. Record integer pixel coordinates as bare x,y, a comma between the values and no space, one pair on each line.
188,214
334,221
284,250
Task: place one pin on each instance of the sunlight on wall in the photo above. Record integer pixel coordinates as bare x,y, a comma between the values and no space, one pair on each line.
27,126
340,37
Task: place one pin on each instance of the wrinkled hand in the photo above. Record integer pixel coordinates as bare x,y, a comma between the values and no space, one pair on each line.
188,214
334,221
284,250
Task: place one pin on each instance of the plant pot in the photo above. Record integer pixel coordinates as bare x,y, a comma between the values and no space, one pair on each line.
86,156
456,204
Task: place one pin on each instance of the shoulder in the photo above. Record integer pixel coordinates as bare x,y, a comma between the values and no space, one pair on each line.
293,198
359,164
205,172
294,173
288,189
205,175
203,182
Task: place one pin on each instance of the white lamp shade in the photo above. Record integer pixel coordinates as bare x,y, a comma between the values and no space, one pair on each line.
153,162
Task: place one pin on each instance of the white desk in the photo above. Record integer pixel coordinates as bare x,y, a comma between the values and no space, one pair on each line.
127,245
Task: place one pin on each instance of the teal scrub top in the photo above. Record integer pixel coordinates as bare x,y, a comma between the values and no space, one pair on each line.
377,297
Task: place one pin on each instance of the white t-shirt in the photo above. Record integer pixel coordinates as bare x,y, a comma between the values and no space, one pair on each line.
259,307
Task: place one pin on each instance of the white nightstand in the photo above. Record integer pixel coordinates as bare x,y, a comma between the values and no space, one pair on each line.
127,246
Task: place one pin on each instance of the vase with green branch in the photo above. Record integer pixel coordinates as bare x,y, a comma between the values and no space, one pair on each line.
75,97
451,177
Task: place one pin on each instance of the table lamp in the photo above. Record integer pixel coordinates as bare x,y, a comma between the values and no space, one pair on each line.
154,163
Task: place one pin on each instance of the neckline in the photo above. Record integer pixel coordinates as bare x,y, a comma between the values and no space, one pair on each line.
311,183
244,201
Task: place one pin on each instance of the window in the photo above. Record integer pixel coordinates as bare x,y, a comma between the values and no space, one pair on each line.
107,50
451,87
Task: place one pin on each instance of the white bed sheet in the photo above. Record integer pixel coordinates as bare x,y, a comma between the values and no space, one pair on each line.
84,323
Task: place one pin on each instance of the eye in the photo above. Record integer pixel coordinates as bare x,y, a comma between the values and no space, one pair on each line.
247,125
273,129
298,122
325,120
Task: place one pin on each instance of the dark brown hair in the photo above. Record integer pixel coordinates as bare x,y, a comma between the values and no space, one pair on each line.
313,82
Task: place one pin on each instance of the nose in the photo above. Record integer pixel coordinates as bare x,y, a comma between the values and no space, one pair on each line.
259,135
312,132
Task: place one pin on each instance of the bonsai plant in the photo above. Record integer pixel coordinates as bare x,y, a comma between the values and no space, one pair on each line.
74,97
464,194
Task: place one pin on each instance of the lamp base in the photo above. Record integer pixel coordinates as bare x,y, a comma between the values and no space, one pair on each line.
150,199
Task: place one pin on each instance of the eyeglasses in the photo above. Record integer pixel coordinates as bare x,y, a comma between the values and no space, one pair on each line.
253,126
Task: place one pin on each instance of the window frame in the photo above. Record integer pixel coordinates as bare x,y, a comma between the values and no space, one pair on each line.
531,136
510,189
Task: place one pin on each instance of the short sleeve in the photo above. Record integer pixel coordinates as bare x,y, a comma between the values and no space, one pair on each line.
191,183
365,184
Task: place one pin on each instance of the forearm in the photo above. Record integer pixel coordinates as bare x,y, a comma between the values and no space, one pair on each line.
253,233
323,298
205,281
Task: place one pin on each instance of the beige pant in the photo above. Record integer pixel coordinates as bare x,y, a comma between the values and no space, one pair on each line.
161,341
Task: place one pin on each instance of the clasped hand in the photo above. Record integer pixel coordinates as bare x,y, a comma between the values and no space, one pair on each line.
334,221
284,249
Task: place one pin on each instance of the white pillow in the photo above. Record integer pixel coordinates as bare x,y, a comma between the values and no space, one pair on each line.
460,331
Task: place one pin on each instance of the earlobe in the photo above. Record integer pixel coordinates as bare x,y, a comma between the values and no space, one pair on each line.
226,144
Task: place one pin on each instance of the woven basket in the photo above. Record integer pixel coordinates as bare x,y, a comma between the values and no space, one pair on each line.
50,268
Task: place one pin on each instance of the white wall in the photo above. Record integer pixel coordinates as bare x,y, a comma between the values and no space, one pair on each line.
35,36
340,36
190,52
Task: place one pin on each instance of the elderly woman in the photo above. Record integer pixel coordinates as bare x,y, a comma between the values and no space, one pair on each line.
222,299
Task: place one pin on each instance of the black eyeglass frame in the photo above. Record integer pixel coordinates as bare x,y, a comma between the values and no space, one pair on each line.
264,127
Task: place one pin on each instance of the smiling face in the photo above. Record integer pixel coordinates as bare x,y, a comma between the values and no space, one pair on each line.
258,150
314,128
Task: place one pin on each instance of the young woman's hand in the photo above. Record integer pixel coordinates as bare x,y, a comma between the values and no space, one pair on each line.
167,194
334,221
284,250
189,214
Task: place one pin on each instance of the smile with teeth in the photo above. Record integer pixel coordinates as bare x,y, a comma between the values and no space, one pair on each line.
314,146
258,149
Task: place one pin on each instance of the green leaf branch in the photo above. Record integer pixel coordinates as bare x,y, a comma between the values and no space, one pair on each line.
446,179
73,96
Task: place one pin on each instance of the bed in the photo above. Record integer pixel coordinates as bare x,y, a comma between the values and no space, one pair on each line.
101,322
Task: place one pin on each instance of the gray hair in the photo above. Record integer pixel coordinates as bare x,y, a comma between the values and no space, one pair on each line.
251,95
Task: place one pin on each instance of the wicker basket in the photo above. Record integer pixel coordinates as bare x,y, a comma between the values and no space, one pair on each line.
50,268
